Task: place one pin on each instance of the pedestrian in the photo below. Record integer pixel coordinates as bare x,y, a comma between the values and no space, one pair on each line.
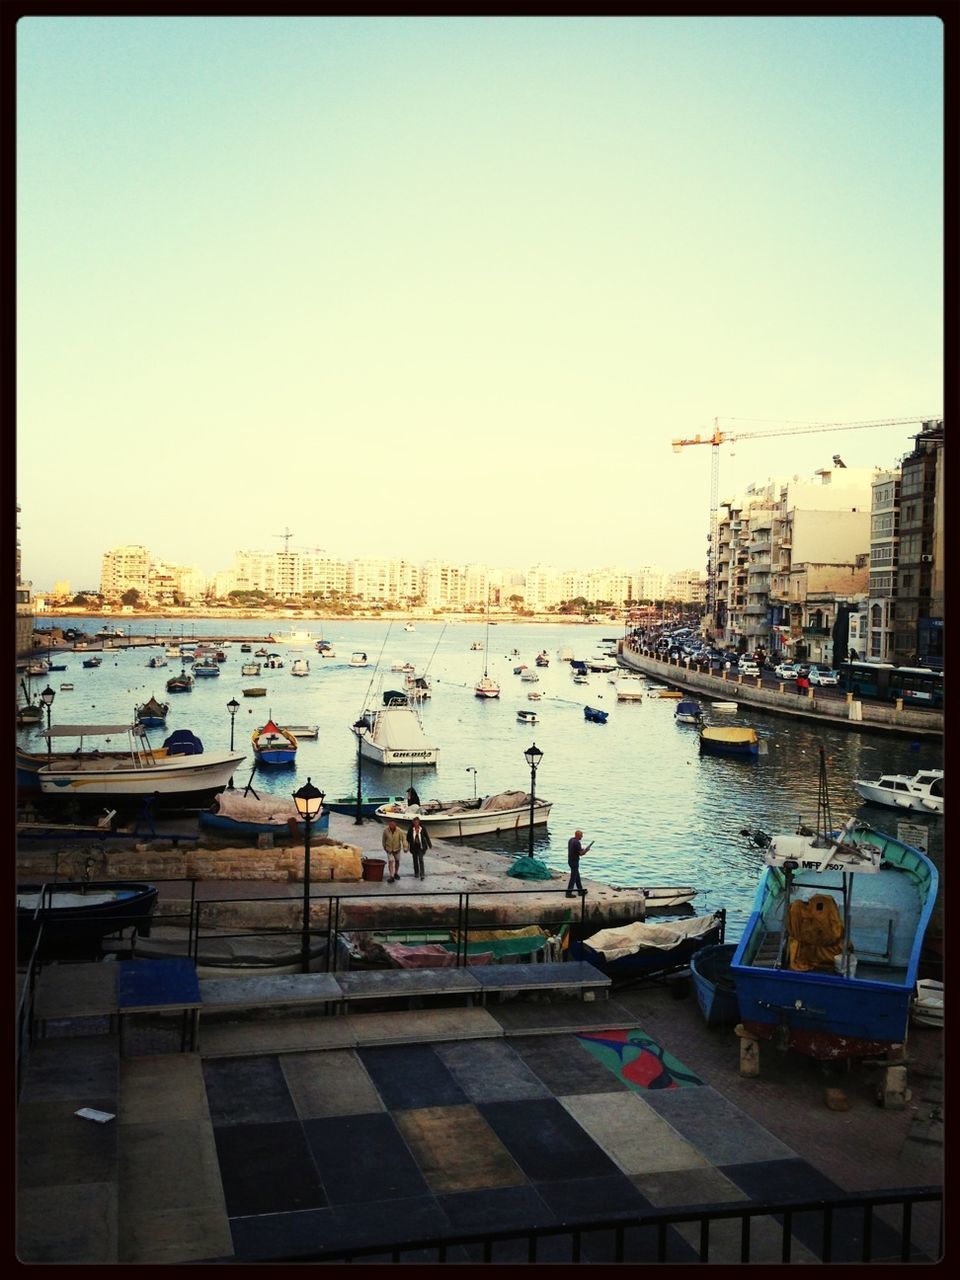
418,842
575,852
412,798
394,843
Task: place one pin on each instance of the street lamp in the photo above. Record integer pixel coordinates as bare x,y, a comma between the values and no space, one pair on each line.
471,769
47,698
533,755
358,730
309,802
233,706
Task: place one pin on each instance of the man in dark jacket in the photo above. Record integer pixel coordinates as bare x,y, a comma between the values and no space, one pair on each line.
418,840
575,851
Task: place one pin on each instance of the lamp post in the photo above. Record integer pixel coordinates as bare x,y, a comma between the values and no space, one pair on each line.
233,706
47,697
533,755
471,769
309,802
358,730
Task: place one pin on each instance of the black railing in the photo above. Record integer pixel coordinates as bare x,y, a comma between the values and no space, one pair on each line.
850,1238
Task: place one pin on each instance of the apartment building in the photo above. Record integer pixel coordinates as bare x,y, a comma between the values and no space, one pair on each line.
124,568
919,609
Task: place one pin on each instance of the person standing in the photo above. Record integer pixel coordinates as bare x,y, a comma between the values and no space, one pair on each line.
418,841
412,798
393,845
575,852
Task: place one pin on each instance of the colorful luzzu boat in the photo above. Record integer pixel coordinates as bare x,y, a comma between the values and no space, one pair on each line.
273,745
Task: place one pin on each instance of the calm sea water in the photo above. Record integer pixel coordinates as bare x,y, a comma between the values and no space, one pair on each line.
657,811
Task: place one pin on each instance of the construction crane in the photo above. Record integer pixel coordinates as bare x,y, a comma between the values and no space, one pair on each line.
286,536
729,437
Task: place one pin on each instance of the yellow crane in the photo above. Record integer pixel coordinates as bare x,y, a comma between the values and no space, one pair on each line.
719,437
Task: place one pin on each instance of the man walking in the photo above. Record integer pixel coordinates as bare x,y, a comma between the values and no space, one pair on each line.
418,840
393,845
575,852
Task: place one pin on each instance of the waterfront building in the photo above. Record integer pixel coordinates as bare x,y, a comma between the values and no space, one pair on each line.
918,620
123,569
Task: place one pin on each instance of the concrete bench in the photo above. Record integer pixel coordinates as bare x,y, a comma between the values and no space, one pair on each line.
574,975
265,991
380,984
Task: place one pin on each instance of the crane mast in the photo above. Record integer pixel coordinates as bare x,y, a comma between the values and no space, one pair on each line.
718,437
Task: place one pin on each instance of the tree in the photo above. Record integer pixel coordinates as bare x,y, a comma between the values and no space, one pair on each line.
130,596
515,602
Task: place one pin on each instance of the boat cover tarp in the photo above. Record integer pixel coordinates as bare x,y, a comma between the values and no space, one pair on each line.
399,729
731,735
814,933
183,743
626,940
527,868
234,804
688,708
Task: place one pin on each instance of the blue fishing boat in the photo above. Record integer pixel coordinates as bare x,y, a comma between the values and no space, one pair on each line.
92,662
714,985
152,714
206,667
237,816
368,805
180,684
828,962
595,714
273,745
70,918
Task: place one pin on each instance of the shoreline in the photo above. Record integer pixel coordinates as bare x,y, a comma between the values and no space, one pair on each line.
247,615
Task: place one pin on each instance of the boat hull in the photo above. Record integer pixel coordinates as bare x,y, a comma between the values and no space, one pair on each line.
397,755
348,805
76,930
874,794
244,830
647,961
471,823
193,777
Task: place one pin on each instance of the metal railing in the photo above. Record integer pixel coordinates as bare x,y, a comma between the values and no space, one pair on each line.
851,1237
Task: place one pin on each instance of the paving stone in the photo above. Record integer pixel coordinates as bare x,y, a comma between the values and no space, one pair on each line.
632,1133
330,1083
457,1150
363,1158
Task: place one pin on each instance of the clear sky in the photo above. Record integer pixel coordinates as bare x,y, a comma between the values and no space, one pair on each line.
450,286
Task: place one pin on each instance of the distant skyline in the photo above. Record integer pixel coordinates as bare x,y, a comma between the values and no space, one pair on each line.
448,287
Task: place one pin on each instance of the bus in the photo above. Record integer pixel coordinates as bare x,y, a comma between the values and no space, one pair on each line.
917,686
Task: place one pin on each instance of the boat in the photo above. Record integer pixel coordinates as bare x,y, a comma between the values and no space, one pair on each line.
600,664
238,816
518,671
527,717
38,667
743,743
206,667
688,711
595,714
484,815
578,667
65,687
260,653
179,770
669,693
476,646
724,707
301,667
258,691
151,714
581,677
348,805
358,659
927,1007
714,985
393,733
645,949
273,745
56,666
922,793
534,695
827,963
71,917
246,648
273,663
172,651
541,659
529,674
325,649
565,654
301,731
182,683
158,660
92,662
409,626
250,669
109,633
629,690
417,687
32,713
293,636
486,686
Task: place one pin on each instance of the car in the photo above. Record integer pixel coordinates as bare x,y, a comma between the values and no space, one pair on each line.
823,675
786,671
749,669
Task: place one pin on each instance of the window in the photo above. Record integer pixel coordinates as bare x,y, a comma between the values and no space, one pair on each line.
876,616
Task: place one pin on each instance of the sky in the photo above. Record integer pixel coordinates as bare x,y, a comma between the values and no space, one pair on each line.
449,287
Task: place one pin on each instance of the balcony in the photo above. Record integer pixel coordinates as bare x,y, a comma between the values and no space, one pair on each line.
817,631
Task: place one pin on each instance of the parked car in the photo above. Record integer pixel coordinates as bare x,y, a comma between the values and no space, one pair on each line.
823,675
786,670
749,668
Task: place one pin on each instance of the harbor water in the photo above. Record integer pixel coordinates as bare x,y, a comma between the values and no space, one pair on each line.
656,811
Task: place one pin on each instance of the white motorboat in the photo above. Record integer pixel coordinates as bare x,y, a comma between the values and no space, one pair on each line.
301,667
527,717
140,770
358,659
926,1009
416,687
923,793
529,673
507,811
602,664
250,669
393,734
409,626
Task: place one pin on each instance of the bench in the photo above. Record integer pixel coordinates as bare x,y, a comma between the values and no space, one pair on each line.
379,984
268,991
575,975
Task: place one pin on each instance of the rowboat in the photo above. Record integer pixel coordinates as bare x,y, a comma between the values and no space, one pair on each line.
74,916
456,819
743,743
238,816
273,745
714,985
631,952
595,714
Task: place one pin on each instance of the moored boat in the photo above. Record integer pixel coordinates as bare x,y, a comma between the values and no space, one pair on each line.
91,663
393,734
595,714
206,667
922,792
258,691
182,683
72,917
273,745
527,717
250,669
722,741
158,660
238,816
152,713
358,659
688,711
632,952
348,805
714,985
485,815
301,667
302,730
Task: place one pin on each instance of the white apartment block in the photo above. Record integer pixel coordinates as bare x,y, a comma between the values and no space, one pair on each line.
124,568
382,579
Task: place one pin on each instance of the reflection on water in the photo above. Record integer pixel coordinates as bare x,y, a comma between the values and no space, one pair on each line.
657,811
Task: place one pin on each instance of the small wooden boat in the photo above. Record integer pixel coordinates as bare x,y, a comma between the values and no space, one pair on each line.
632,952
456,819
714,985
302,730
65,687
669,693
541,659
152,713
724,707
258,691
182,683
236,816
348,805
92,662
743,743
75,915
246,648
595,714
250,669
273,746
206,667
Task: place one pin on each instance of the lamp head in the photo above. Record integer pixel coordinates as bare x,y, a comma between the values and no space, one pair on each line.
309,800
533,755
47,697
233,706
